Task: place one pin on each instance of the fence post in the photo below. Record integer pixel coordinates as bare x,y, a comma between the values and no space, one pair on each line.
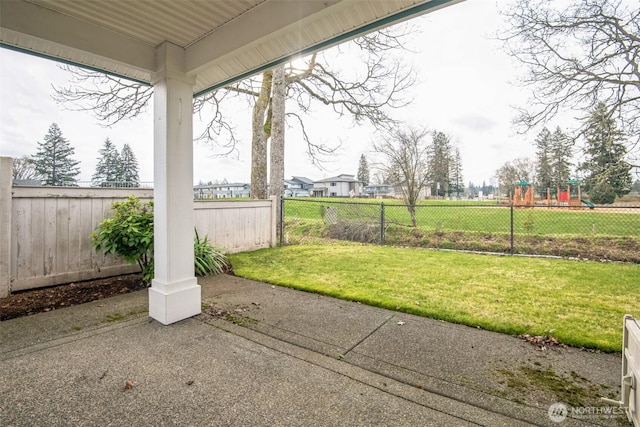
281,219
511,249
382,223
6,200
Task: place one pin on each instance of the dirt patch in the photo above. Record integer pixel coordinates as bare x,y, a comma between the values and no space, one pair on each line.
25,303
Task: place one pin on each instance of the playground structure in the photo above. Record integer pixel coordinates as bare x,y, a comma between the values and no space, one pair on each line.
568,196
571,196
524,194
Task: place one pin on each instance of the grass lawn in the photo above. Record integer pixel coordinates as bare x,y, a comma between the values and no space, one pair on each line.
580,303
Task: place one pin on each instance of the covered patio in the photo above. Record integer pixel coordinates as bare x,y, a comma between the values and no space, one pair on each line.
185,49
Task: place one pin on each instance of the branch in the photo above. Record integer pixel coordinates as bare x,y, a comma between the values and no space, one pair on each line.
577,56
318,154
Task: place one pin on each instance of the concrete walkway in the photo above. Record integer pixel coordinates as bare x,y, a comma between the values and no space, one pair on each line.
263,355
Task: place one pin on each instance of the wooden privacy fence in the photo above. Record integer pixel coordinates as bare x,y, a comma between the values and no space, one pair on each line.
44,231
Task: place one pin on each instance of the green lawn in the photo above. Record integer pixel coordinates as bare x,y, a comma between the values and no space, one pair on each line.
475,217
580,303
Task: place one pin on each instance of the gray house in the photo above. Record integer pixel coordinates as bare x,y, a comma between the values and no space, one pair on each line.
342,185
298,186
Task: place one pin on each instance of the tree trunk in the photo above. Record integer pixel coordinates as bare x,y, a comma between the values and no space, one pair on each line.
259,140
276,179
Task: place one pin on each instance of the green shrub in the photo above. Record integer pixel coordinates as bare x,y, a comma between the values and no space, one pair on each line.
129,233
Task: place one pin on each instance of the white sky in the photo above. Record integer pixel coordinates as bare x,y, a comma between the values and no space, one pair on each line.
464,90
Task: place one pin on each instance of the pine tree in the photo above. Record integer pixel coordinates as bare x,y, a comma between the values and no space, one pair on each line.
457,181
107,172
553,159
129,167
439,161
544,169
54,161
606,170
560,159
363,171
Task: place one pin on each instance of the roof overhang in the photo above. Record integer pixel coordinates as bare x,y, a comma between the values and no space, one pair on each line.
223,41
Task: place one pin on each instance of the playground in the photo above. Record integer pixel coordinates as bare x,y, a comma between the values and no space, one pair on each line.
569,195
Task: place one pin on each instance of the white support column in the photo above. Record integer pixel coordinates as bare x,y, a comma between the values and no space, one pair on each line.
174,294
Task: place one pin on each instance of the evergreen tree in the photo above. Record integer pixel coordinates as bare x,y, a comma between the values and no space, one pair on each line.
560,159
605,167
363,171
129,167
457,181
439,161
107,172
544,169
54,161
553,155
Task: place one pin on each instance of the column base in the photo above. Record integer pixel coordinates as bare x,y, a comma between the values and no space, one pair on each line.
170,303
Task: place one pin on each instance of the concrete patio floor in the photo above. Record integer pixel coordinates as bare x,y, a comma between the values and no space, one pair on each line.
267,355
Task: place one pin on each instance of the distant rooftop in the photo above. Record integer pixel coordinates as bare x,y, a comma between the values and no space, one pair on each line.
340,178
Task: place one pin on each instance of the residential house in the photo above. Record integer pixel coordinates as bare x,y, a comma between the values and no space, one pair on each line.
221,191
338,186
298,186
379,190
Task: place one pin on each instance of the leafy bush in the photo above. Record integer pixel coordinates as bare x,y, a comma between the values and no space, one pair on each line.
128,233
207,259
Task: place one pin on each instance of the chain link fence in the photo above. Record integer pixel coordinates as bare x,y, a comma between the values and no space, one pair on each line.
598,233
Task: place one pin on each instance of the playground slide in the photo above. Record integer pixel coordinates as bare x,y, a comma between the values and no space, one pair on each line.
588,203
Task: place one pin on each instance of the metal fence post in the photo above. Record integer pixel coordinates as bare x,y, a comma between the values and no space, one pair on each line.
382,223
512,249
281,219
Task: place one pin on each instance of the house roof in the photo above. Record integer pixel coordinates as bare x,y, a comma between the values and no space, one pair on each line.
222,41
302,179
340,178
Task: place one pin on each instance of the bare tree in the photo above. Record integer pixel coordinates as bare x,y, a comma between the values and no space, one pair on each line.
24,168
367,96
517,170
404,160
578,56
366,93
278,98
112,99
259,140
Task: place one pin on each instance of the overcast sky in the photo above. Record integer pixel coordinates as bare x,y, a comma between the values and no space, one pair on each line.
464,90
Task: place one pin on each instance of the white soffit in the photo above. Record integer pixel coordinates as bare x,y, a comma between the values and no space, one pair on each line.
223,40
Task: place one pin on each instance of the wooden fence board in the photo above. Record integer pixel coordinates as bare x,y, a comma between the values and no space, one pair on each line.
50,229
